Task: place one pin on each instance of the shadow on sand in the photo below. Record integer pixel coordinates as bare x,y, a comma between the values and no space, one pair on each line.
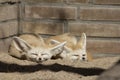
6,67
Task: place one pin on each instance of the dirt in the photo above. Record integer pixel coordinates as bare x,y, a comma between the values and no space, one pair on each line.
15,69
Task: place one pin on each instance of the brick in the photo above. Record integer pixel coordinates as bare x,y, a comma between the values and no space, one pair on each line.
9,0
43,1
8,29
43,27
77,1
2,1
99,13
106,1
8,12
50,12
103,46
95,29
4,44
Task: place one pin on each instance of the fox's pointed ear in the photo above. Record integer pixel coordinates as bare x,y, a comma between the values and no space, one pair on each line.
58,49
21,45
82,42
52,41
42,41
57,42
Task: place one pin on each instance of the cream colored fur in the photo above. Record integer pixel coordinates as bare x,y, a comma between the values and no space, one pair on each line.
75,50
33,48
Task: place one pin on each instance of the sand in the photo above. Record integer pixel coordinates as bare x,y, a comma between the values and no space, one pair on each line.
15,69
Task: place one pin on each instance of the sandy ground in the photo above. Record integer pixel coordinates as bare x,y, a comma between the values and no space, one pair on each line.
15,69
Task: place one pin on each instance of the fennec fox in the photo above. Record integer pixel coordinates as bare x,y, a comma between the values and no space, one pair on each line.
33,48
75,50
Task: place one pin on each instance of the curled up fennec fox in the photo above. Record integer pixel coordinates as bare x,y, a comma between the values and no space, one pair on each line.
33,48
74,49
37,49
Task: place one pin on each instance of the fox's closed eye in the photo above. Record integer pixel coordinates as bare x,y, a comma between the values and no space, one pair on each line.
34,54
83,55
76,55
44,54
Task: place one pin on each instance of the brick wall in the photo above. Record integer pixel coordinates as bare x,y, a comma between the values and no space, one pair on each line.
99,19
8,22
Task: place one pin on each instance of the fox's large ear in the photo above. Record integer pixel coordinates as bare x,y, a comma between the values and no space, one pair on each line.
52,41
58,49
21,45
82,42
42,41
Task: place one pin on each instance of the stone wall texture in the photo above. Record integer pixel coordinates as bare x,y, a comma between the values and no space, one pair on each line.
99,19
